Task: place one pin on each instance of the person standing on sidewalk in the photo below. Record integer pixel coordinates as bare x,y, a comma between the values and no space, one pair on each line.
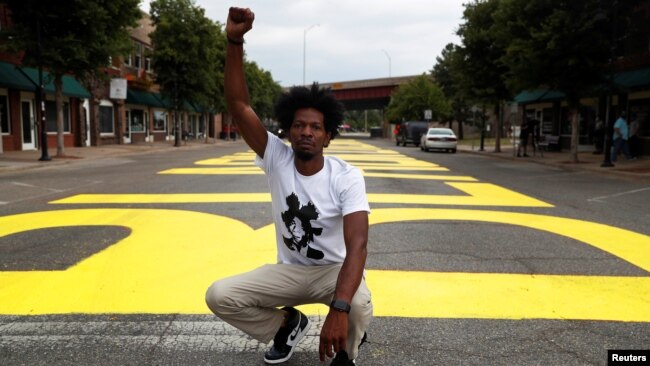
320,210
524,132
620,137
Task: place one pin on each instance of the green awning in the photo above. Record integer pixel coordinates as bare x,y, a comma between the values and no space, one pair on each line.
633,79
71,87
539,95
11,77
143,98
187,106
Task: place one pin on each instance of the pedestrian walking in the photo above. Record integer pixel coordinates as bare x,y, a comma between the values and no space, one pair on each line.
620,136
320,210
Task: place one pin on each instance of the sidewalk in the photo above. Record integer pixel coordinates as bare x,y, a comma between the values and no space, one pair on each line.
638,168
11,161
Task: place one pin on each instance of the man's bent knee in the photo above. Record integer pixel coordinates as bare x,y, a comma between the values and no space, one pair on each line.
217,299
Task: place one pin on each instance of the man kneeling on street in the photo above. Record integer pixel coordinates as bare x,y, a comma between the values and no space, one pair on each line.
320,210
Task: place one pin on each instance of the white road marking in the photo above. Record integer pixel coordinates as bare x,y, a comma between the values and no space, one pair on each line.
603,198
177,335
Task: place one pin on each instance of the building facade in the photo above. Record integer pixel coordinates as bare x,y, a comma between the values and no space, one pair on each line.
92,115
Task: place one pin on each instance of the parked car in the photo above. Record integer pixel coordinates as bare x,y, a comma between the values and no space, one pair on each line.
439,139
410,132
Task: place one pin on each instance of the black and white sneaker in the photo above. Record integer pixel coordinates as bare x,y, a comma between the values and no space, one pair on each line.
287,337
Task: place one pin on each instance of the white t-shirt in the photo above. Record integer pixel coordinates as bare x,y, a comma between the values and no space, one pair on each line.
308,210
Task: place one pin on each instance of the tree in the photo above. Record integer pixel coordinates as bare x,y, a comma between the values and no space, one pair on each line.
566,48
70,36
410,100
262,89
447,73
481,68
361,119
188,52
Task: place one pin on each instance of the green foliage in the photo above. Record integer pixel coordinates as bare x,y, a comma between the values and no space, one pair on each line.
359,119
262,89
411,100
188,54
448,73
77,36
480,73
563,45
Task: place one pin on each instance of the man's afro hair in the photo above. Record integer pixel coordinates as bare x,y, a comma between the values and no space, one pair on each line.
320,99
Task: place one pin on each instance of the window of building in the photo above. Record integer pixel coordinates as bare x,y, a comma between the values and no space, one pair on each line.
137,120
137,55
4,115
158,121
106,120
50,116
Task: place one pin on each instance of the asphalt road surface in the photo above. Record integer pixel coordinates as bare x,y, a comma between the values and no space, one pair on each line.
472,260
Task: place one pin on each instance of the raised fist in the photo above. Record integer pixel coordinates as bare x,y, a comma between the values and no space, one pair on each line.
239,22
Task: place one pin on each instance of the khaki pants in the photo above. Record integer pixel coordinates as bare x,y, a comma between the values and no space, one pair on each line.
251,301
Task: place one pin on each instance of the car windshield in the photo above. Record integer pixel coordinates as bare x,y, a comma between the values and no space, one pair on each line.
440,131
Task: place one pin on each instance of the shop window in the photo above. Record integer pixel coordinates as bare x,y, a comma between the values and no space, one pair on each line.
159,121
4,115
547,121
106,120
587,118
50,116
137,120
640,109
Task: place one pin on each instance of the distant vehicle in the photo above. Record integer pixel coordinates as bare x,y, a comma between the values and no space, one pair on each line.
410,132
439,139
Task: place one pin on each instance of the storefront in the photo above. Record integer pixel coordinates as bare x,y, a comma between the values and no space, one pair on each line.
145,117
18,122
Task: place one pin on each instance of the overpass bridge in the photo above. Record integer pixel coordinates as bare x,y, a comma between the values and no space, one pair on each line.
366,94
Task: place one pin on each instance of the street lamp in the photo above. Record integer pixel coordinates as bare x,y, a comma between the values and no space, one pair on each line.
304,51
387,55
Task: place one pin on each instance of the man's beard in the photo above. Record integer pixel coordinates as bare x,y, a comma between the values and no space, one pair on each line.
303,155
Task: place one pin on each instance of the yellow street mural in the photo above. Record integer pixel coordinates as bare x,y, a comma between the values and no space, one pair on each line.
171,256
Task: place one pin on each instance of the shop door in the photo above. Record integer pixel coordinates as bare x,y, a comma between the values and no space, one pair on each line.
27,120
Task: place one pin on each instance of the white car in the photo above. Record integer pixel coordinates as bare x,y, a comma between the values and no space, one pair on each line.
439,138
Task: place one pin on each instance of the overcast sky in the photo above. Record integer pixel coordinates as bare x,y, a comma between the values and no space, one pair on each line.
349,40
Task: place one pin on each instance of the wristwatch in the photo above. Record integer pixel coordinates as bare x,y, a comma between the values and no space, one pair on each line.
340,305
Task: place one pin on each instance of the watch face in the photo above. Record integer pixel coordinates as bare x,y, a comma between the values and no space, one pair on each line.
340,306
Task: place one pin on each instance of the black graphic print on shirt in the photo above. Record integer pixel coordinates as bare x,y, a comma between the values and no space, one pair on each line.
297,220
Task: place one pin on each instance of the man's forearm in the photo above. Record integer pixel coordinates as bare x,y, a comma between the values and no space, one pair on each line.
350,276
236,91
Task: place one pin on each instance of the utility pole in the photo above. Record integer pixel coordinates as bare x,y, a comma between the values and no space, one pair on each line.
304,52
40,97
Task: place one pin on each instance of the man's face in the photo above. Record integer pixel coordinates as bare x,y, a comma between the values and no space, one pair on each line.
307,134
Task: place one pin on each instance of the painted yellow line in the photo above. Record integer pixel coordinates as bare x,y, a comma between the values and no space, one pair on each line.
420,176
214,171
171,257
165,198
510,296
365,168
226,161
477,194
373,157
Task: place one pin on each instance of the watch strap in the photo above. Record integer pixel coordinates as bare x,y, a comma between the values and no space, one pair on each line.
340,305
